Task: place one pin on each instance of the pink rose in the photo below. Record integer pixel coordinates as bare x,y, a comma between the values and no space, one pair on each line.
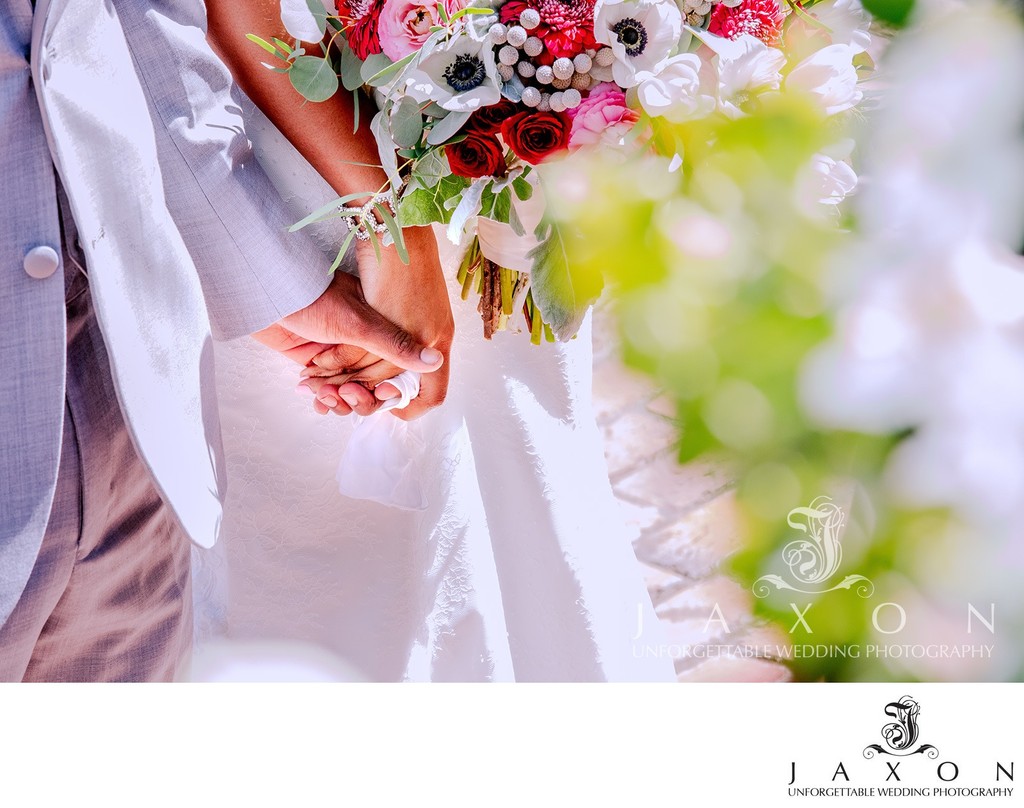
602,118
405,24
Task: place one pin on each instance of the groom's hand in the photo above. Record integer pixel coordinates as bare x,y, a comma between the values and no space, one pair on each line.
342,322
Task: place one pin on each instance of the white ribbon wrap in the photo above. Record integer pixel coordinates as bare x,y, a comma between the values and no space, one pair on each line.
380,462
500,244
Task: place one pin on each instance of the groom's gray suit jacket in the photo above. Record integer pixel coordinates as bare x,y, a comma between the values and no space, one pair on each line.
182,232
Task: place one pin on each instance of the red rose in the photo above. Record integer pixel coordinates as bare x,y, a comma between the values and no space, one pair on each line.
489,119
361,19
534,136
477,155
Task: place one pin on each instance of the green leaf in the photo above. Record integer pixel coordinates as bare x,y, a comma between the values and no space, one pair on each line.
374,63
386,147
263,44
328,209
305,20
420,208
427,205
344,249
434,110
350,66
523,188
431,168
487,202
462,12
562,295
447,127
407,123
395,230
375,242
390,72
894,12
514,221
314,78
502,206
284,46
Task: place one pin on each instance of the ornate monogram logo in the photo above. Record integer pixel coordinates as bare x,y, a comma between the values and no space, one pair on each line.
814,558
901,735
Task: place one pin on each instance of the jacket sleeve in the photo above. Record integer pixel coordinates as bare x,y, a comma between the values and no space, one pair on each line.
232,220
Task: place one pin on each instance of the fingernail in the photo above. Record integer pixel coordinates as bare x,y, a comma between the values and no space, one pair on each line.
431,356
303,390
350,400
386,393
305,373
329,401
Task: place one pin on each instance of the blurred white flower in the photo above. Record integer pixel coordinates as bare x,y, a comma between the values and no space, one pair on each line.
828,75
674,93
824,184
641,34
847,23
930,298
745,66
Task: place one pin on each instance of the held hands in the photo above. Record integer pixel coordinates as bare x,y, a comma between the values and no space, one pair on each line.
349,345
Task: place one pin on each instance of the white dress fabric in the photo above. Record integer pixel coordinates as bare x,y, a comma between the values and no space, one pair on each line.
519,567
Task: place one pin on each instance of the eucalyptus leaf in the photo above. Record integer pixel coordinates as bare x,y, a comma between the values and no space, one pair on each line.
434,110
447,127
325,211
407,123
386,147
395,231
306,20
350,66
562,294
374,63
314,78
341,252
263,44
391,72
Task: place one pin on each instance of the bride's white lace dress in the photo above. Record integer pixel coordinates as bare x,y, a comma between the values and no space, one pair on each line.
519,568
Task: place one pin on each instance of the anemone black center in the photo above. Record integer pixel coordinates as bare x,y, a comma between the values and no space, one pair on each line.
465,73
632,34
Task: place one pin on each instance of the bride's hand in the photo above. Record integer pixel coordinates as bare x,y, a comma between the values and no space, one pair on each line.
342,317
414,296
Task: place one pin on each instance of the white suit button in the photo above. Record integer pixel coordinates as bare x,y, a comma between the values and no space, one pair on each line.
41,262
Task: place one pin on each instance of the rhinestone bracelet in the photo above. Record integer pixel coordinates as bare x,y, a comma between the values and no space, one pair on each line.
357,218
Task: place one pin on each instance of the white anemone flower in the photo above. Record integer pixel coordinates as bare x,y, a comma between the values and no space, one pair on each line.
745,66
829,77
674,92
641,34
461,77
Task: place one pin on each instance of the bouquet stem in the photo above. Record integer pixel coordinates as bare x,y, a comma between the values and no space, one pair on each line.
499,288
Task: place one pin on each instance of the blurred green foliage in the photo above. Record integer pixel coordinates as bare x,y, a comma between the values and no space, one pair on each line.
894,12
718,270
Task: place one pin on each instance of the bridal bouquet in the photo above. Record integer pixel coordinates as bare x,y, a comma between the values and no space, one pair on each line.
475,95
